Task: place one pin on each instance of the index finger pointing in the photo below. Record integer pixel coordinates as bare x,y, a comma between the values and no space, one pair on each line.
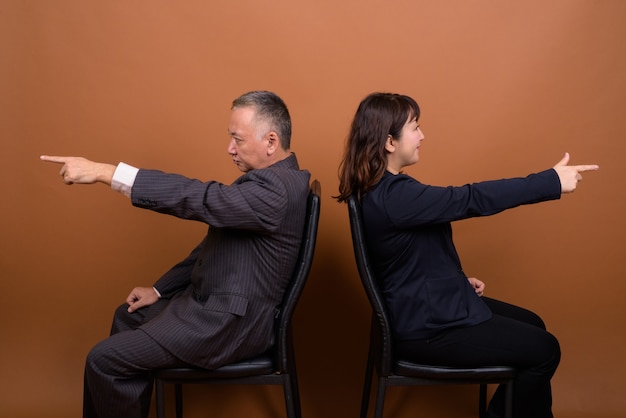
591,167
53,159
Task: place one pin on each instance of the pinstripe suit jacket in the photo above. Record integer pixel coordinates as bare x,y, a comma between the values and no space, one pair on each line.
223,296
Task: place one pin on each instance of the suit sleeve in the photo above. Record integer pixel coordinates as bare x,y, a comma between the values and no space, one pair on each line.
422,204
256,201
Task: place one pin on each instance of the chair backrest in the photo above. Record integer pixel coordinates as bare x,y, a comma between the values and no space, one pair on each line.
283,343
381,339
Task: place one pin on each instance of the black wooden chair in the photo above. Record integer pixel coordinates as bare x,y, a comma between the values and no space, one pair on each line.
277,366
393,371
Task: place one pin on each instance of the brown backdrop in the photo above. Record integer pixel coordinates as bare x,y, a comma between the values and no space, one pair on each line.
505,87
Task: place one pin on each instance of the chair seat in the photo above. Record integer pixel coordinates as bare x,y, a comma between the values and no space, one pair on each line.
406,368
256,366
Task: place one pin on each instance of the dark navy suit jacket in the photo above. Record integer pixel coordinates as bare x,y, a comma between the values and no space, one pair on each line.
225,293
409,238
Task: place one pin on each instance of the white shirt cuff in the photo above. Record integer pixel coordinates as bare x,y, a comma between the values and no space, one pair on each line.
124,178
157,292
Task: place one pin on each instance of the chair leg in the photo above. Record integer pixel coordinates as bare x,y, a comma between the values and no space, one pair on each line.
482,401
508,403
178,390
367,387
160,401
296,394
380,397
292,396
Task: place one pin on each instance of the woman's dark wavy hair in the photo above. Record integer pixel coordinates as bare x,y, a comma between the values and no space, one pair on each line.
365,158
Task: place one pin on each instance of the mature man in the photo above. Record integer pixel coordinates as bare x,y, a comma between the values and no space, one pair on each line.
217,305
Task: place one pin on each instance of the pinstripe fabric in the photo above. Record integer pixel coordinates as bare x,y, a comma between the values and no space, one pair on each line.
222,297
118,381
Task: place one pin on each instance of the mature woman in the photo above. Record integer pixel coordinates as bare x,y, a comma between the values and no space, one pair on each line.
438,314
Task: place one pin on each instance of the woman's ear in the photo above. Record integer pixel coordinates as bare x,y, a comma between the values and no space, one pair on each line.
389,146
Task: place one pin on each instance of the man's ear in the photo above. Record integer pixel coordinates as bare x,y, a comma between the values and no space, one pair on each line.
273,142
389,146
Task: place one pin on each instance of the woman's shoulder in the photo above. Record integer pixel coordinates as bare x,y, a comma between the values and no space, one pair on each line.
392,190
397,183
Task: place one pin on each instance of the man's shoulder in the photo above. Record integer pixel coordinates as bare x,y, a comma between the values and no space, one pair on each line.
286,170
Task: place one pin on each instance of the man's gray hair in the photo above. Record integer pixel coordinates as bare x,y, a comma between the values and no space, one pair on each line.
269,108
